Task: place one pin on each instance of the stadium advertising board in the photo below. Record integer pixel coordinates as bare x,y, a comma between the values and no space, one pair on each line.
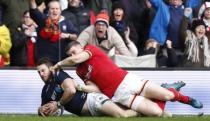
20,89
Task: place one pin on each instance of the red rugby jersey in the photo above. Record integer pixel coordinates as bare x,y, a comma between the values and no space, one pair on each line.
100,69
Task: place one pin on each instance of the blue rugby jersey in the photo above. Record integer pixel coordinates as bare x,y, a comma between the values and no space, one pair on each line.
53,92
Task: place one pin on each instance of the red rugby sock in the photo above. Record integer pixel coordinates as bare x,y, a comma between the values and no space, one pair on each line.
179,97
160,103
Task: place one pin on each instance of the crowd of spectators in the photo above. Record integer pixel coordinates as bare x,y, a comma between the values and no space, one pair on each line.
177,32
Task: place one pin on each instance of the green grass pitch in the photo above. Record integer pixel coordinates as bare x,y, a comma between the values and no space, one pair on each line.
75,118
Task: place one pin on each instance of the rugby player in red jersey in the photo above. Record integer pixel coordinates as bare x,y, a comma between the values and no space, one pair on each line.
137,93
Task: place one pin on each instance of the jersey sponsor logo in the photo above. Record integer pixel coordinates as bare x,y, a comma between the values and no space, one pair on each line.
53,97
57,92
89,70
84,95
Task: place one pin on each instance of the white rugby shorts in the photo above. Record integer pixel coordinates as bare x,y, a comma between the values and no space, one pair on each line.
95,102
131,86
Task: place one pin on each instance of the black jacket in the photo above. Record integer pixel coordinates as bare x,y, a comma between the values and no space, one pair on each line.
80,17
18,51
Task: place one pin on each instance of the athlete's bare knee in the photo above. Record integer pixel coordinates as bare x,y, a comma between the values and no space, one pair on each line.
157,112
169,96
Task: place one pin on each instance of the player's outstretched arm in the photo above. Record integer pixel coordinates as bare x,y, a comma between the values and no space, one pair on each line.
72,60
69,90
88,87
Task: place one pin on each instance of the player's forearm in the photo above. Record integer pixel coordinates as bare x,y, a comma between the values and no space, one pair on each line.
66,62
67,96
88,88
73,60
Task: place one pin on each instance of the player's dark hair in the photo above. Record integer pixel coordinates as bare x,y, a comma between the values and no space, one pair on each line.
44,60
73,43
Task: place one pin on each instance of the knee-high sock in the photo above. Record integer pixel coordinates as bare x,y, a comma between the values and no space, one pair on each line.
161,104
179,97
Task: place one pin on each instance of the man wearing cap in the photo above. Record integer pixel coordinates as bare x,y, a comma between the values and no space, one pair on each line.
103,36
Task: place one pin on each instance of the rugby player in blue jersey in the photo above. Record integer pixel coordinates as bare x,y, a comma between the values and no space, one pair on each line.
60,91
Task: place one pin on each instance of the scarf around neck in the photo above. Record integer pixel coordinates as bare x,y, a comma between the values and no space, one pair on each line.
51,31
193,46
